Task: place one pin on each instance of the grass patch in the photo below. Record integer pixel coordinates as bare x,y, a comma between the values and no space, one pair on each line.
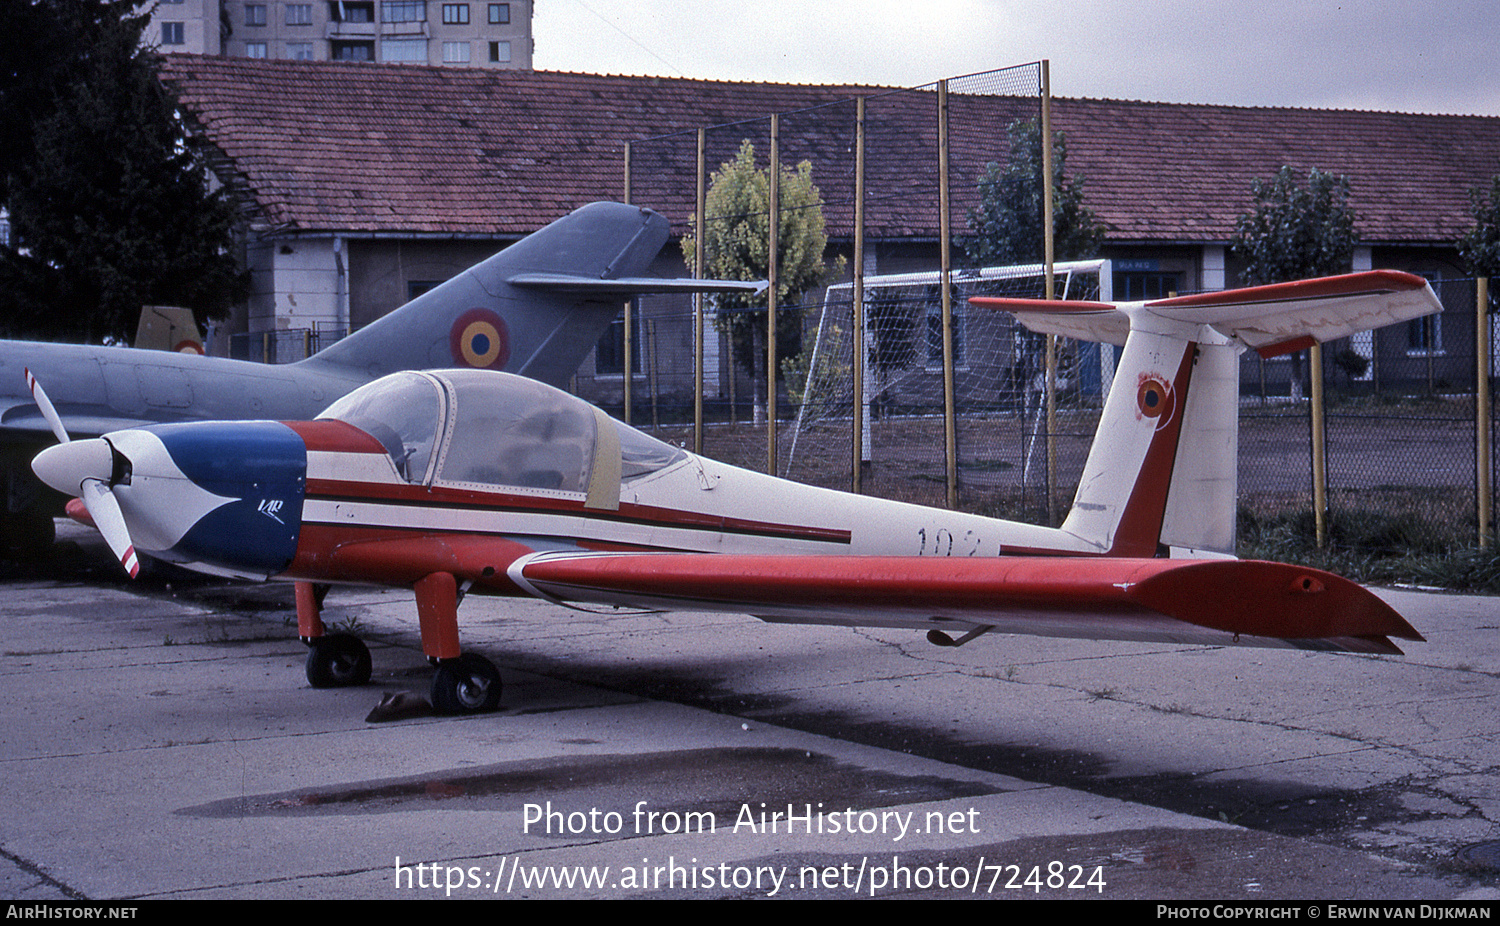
1378,547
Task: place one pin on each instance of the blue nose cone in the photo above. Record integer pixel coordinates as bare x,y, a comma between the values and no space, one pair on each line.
262,465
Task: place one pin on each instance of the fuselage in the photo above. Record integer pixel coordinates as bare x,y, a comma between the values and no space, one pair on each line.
355,501
101,389
466,471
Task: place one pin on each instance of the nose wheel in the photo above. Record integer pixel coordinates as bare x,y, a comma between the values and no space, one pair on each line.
338,660
469,684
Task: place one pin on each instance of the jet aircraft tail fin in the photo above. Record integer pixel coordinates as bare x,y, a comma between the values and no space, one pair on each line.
536,308
1162,470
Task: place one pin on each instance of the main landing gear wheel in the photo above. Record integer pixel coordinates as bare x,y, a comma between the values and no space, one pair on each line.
469,684
338,660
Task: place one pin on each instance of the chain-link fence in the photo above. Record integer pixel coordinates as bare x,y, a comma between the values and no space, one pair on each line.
1400,427
282,346
902,166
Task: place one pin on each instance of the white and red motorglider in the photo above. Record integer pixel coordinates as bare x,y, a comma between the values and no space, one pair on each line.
462,481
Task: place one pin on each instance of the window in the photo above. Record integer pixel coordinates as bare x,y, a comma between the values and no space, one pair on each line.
353,51
345,11
1424,335
456,14
455,52
255,49
499,52
1129,287
609,353
499,14
404,51
517,432
173,34
404,412
299,51
403,11
299,14
255,14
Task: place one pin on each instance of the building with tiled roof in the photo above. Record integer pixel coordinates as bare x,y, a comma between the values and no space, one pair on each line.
365,182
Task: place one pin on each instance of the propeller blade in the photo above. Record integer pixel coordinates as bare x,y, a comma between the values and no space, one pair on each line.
45,404
105,511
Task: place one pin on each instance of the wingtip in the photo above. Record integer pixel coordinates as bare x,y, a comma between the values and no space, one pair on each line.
1306,607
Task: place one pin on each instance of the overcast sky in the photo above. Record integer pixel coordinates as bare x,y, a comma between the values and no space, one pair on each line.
1400,55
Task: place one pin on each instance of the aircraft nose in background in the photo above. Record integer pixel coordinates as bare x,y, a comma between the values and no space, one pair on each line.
64,467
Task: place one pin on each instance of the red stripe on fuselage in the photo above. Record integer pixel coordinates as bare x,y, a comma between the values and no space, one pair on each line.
1139,531
451,498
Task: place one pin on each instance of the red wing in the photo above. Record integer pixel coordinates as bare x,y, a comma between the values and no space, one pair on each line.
1194,601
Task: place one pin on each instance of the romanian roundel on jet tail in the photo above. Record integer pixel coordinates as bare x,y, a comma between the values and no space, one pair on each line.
480,339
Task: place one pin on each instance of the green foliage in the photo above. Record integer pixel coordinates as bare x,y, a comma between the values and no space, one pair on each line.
1007,223
1480,248
827,377
736,246
1296,232
108,204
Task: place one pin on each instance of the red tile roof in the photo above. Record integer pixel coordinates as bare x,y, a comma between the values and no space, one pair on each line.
364,148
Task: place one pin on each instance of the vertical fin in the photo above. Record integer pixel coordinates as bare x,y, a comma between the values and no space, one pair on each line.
1204,496
1123,495
478,319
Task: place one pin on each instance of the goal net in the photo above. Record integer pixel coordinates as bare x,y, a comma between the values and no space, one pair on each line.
998,365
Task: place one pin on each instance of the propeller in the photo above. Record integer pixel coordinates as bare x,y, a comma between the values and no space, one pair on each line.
87,468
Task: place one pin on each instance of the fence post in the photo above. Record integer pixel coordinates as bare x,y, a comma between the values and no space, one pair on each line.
629,379
1482,448
1048,255
857,336
950,422
1319,447
629,356
651,380
773,303
699,215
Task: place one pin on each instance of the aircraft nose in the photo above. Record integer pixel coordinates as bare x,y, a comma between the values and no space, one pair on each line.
64,467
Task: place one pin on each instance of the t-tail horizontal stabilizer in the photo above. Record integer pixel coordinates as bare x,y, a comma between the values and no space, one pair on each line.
1272,320
633,286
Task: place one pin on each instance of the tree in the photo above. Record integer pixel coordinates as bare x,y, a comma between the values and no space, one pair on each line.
736,246
1293,232
108,202
1480,248
1007,223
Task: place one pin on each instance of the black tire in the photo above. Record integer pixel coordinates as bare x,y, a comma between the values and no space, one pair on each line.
338,660
469,684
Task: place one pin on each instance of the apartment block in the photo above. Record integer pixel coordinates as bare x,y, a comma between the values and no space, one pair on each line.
470,33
